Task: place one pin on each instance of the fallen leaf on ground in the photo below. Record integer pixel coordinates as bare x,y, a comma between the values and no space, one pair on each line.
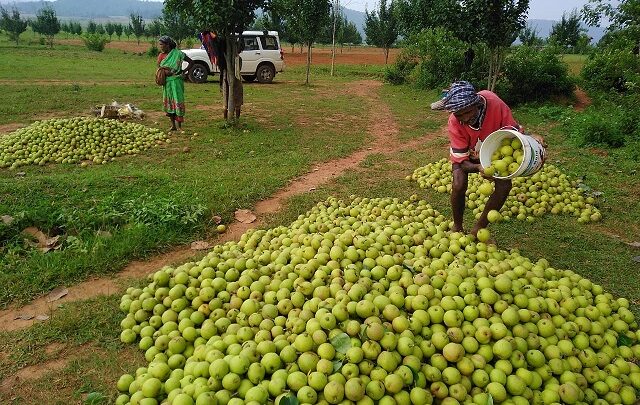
23,317
57,294
104,234
42,317
7,219
245,216
216,219
45,243
634,244
200,245
636,259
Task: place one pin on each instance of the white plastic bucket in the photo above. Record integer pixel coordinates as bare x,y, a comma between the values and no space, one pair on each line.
532,160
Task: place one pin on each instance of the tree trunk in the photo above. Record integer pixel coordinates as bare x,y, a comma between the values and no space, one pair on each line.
333,40
386,55
231,55
293,48
496,57
308,61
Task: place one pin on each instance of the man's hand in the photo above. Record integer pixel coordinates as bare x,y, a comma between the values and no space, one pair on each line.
540,140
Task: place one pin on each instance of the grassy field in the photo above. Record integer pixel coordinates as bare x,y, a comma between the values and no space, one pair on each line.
286,128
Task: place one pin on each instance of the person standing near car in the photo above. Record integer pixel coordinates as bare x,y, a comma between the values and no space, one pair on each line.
170,59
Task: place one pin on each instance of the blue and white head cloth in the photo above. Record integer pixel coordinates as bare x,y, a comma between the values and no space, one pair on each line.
460,95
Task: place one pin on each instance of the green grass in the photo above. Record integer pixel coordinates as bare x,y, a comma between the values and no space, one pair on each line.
280,138
575,62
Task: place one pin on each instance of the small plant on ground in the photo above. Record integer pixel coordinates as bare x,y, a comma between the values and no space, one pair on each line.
95,42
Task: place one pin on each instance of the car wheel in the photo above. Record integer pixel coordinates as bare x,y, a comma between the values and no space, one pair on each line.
265,73
198,73
249,78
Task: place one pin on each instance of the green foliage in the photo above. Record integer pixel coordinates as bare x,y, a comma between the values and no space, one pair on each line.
155,28
415,16
566,32
92,27
12,23
529,37
534,75
110,28
46,24
497,24
178,25
612,69
100,29
153,50
346,32
95,42
595,127
117,29
74,28
438,56
400,71
137,26
349,34
381,27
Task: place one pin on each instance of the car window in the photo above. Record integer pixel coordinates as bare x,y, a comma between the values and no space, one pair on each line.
251,44
269,43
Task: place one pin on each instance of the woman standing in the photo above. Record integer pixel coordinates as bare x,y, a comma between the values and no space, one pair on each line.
171,60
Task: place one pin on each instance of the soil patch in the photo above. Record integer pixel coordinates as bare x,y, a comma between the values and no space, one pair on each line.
582,100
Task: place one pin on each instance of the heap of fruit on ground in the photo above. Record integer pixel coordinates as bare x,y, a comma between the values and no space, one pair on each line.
375,301
75,140
548,190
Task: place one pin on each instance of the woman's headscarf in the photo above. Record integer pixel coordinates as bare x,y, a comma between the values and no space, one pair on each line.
167,40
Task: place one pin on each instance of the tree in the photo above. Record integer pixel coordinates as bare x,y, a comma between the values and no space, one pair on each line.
350,34
127,30
415,16
137,26
12,23
529,37
47,24
496,23
155,28
624,16
92,27
178,25
100,29
381,28
229,19
110,28
306,18
118,28
566,32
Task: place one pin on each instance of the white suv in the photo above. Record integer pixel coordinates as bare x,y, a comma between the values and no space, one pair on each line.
262,58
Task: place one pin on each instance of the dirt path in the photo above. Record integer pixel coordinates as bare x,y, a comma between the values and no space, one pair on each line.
381,126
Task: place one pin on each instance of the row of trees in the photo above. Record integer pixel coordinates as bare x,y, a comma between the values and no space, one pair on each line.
567,34
45,24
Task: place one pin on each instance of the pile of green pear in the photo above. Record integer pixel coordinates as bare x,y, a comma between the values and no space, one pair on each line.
375,301
80,140
547,191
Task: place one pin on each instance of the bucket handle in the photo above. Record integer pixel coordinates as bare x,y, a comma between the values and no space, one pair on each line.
518,128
